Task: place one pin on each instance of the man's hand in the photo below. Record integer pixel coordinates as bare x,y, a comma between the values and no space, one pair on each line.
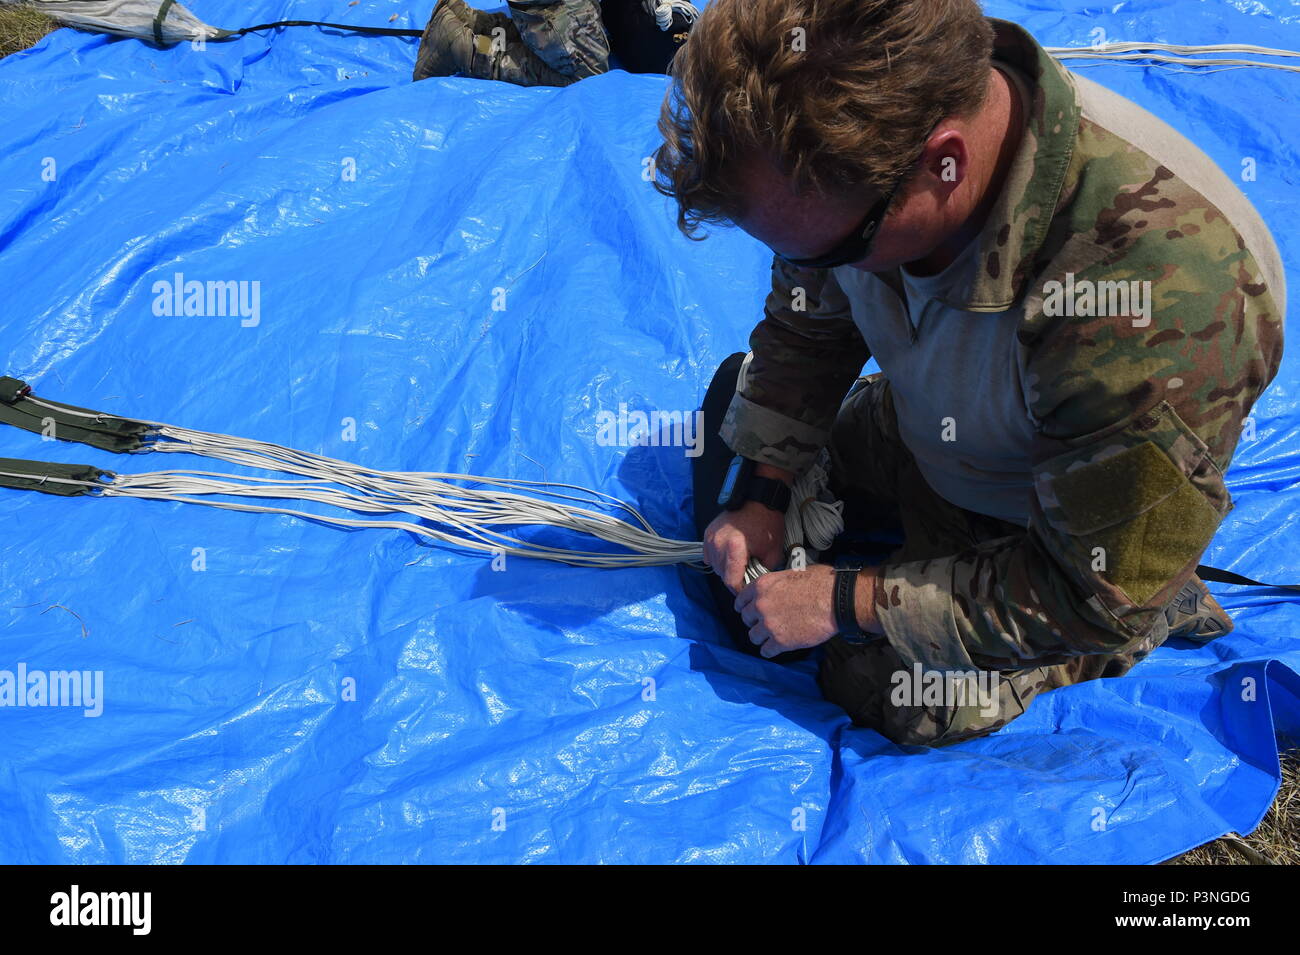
735,536
795,609
753,531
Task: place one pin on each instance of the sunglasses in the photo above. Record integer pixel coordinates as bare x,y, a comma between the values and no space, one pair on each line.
856,247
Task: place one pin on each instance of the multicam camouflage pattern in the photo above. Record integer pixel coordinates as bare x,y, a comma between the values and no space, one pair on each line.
859,679
878,479
803,356
539,43
567,35
1134,422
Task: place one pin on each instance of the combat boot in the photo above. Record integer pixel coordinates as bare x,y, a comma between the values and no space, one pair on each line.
1195,615
447,43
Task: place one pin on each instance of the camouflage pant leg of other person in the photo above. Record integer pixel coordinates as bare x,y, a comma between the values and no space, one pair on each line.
461,40
876,476
568,35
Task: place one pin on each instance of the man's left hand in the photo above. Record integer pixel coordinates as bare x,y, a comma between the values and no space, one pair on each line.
791,609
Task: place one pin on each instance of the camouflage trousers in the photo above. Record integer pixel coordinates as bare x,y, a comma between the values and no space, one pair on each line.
567,35
879,481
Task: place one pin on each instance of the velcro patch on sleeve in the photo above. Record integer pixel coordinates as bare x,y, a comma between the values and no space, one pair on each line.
1139,512
1117,488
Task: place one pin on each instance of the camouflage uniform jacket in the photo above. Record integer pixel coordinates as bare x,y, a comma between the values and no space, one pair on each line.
1134,420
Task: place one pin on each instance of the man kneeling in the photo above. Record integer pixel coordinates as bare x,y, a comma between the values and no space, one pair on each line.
1074,311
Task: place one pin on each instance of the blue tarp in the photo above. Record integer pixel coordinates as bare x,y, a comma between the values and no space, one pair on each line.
505,716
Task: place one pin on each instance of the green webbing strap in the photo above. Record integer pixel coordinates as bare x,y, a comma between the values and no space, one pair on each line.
349,27
36,476
204,31
163,9
106,432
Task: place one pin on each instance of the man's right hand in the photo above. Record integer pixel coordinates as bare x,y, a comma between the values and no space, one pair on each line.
753,531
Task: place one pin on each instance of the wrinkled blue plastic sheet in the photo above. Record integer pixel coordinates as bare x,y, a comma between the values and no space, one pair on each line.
505,717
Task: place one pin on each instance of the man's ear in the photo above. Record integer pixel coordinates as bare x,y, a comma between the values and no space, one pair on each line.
947,159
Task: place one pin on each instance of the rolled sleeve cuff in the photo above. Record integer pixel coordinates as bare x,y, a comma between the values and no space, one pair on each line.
770,437
914,607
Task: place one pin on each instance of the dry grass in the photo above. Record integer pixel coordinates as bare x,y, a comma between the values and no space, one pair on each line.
21,27
1275,842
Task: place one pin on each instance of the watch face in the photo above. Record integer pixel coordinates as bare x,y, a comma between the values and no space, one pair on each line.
729,485
732,495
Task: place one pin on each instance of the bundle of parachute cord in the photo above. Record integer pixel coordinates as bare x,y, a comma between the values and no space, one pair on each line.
463,511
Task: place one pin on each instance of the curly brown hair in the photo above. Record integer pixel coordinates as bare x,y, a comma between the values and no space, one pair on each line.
839,94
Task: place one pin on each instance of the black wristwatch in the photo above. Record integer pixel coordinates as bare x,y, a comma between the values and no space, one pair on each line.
742,485
846,614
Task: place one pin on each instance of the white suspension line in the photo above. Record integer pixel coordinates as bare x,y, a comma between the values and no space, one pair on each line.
471,507
1130,51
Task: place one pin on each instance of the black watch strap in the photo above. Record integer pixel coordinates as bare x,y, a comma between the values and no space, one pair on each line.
846,614
769,492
